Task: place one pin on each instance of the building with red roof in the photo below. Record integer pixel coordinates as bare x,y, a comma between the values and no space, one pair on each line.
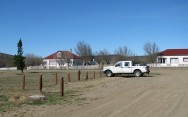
173,58
61,59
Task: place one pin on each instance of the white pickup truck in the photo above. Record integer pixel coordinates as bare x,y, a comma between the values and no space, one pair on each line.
126,67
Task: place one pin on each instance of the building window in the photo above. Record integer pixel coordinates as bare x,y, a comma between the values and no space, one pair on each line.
59,55
162,60
174,61
185,59
52,62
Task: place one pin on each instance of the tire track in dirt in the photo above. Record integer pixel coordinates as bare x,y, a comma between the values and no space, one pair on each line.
160,98
113,104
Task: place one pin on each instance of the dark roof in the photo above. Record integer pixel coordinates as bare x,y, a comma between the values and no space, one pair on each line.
174,52
64,54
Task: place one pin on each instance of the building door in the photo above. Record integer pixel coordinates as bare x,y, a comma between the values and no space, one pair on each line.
119,68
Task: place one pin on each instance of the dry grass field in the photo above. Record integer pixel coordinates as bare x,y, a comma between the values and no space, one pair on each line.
164,93
11,84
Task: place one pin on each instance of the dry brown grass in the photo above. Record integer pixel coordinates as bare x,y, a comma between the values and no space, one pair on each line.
11,92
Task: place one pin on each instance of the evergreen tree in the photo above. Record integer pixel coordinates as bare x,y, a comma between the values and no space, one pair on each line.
19,58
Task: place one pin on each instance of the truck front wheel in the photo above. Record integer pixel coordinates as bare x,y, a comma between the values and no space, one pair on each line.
109,73
137,73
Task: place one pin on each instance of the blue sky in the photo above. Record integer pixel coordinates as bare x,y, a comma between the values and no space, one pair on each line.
46,26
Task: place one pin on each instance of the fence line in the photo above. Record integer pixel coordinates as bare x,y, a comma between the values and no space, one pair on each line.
36,68
8,68
65,67
24,79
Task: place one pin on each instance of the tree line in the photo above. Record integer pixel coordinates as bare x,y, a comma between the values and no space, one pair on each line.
86,54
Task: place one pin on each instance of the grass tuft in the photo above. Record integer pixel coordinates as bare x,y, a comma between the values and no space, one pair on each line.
4,103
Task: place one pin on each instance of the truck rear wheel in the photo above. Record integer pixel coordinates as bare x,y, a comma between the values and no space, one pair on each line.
109,73
137,73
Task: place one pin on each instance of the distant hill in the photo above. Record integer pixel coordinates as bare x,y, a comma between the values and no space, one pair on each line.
6,60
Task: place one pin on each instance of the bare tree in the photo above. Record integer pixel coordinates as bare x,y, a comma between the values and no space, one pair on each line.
59,59
84,50
67,58
64,57
151,50
103,57
33,60
122,53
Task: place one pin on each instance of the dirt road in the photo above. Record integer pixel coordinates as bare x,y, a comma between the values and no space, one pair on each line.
163,94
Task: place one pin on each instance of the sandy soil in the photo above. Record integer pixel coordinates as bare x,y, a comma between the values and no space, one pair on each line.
163,94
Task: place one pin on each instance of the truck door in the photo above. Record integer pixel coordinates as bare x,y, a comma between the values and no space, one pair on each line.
127,67
119,68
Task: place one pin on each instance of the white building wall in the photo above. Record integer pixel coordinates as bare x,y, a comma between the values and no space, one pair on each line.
173,61
52,63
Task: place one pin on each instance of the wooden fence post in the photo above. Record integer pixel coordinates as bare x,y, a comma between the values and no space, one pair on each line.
94,74
56,78
100,74
79,75
87,75
68,74
40,83
23,82
62,87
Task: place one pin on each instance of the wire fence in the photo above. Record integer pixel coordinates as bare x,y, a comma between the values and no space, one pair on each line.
29,82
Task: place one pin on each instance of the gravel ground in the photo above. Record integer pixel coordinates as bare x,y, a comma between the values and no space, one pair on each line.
164,93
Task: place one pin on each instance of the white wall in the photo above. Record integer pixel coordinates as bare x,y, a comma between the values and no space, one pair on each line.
174,60
9,68
52,63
